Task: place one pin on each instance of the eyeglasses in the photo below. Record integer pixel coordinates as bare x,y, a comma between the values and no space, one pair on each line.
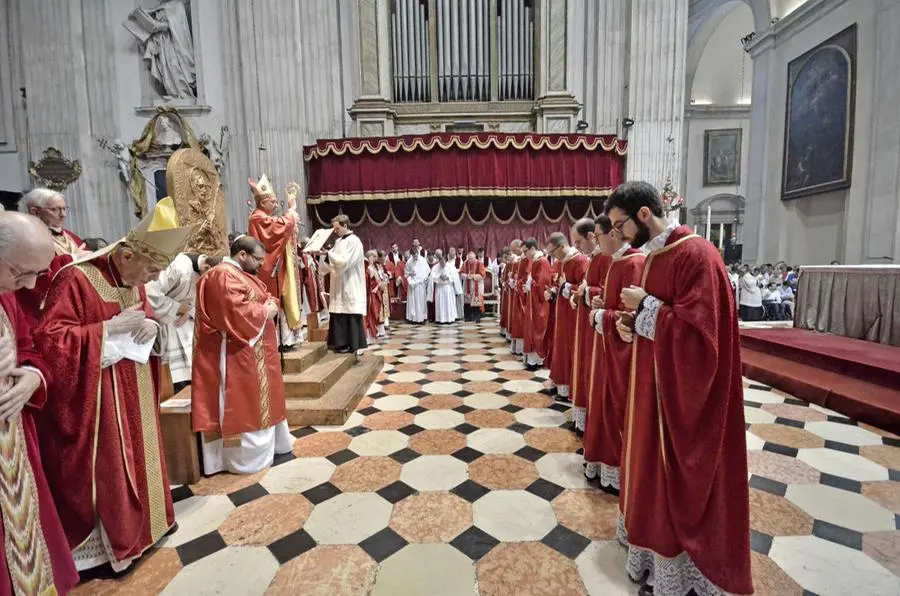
19,273
619,225
56,210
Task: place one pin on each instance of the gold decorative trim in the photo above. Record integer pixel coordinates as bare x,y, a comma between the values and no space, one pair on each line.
497,192
466,141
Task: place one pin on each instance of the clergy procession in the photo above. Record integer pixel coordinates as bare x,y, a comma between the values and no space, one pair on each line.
615,313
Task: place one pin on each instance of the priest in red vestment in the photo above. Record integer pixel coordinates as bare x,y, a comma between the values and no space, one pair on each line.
591,286
472,275
611,360
505,283
550,294
50,207
237,389
573,266
373,317
101,441
537,309
37,557
308,286
516,298
278,234
685,500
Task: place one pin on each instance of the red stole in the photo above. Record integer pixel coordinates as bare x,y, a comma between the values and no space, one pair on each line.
611,361
684,462
38,557
101,442
573,272
231,307
584,332
277,236
537,307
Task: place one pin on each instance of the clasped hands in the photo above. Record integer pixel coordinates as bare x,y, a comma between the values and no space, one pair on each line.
133,320
24,382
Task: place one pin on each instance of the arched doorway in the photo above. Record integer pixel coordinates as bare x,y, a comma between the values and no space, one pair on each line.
724,214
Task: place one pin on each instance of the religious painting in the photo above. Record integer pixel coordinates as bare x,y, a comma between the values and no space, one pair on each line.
722,157
818,134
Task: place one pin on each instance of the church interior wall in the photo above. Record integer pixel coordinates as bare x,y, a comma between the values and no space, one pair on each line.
858,224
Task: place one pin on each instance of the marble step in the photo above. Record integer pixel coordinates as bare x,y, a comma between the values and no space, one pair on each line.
318,377
335,406
298,360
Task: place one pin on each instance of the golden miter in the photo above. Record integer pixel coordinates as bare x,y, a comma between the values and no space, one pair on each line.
159,237
261,189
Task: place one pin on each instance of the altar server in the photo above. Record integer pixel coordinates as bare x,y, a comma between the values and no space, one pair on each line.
345,263
443,286
417,273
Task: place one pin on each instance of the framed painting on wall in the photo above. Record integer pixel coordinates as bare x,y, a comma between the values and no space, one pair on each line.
818,131
722,157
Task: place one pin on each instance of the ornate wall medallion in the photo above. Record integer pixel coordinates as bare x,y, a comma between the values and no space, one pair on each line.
55,171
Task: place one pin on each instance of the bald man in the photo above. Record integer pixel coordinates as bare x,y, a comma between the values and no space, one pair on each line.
26,504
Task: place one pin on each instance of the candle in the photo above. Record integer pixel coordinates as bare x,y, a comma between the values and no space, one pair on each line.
708,221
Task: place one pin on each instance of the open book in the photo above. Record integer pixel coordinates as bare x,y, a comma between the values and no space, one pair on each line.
321,238
140,24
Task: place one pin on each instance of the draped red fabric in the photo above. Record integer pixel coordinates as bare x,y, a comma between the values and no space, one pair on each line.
476,190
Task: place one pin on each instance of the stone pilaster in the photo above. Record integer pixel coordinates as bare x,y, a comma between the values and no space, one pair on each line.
372,110
658,39
556,109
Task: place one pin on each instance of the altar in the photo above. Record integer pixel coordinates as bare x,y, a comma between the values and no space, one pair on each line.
857,301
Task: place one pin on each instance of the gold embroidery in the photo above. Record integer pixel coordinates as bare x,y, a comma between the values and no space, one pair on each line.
263,373
27,556
156,484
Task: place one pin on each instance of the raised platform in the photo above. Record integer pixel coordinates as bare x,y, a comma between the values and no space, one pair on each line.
857,378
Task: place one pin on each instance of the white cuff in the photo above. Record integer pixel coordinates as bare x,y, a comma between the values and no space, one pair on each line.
645,323
39,373
259,335
598,320
567,290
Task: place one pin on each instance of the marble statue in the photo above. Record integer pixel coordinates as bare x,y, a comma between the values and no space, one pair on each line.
164,34
193,183
123,160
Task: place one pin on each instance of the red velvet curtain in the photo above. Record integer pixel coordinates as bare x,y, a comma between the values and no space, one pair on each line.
477,190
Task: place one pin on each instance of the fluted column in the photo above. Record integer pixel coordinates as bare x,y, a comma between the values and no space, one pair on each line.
372,110
556,108
287,78
598,63
71,104
656,89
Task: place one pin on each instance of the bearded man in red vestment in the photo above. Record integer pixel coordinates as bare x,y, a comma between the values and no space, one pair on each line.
50,207
685,497
37,557
537,309
611,361
591,286
278,234
573,266
236,360
101,441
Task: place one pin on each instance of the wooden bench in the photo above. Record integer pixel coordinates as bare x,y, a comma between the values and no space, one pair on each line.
179,441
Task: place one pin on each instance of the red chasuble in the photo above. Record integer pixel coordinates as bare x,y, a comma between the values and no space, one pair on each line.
505,277
472,285
538,309
373,302
612,362
584,333
276,235
520,299
515,307
574,268
555,273
36,556
101,442
684,462
230,315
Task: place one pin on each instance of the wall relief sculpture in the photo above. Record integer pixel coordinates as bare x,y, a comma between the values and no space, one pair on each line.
193,183
165,37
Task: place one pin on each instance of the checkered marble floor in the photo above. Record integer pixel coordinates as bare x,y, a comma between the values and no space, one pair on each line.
456,476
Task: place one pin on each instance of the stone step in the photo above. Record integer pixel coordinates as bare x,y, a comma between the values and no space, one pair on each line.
298,360
336,405
319,335
318,378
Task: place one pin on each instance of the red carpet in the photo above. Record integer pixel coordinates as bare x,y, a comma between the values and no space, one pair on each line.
857,378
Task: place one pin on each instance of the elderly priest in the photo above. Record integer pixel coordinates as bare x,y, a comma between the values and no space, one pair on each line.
100,441
237,392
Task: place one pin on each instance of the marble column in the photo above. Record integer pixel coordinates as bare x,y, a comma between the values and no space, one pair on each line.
556,108
372,110
71,86
288,86
598,63
761,50
658,38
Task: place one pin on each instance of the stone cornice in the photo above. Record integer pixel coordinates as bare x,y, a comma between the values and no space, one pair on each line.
716,112
783,30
